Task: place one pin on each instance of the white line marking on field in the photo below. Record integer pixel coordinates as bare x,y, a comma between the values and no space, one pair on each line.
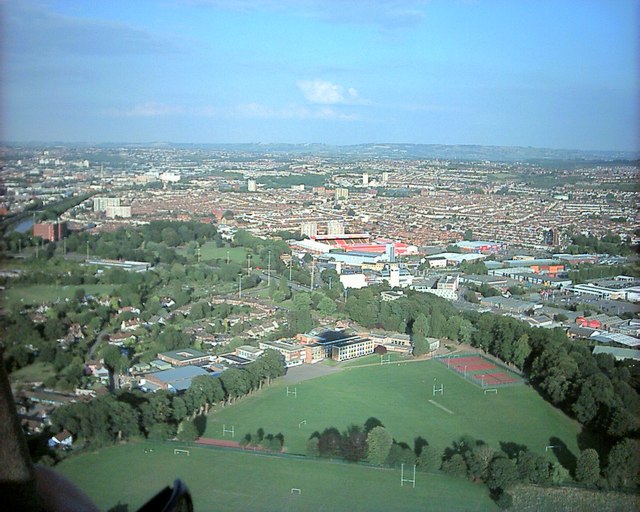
440,406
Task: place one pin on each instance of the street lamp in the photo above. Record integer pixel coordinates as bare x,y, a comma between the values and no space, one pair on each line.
240,285
248,264
269,270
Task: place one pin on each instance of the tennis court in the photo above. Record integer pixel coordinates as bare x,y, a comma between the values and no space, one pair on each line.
481,371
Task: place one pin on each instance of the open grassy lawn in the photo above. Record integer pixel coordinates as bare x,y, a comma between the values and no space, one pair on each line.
228,480
209,251
34,372
400,395
37,294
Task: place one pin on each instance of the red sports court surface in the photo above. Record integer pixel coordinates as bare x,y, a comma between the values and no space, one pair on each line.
470,364
480,370
493,379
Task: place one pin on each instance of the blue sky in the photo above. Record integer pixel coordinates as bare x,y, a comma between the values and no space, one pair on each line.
558,74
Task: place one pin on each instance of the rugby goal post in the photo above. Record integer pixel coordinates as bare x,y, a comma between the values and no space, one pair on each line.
230,430
292,392
407,480
178,451
385,359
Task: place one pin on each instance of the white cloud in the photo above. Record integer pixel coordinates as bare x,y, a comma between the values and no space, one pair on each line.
327,93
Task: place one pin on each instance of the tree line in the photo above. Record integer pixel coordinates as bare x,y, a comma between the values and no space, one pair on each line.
499,469
600,392
162,415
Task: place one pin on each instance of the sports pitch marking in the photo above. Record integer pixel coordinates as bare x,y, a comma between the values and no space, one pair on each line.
440,406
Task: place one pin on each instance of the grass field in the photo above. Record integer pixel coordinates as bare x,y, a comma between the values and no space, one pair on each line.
400,395
230,481
209,251
34,372
37,294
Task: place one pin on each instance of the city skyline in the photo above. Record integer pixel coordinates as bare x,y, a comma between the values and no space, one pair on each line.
537,74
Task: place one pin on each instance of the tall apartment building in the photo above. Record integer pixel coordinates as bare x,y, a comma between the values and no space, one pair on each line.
335,227
252,186
309,229
100,204
342,193
51,231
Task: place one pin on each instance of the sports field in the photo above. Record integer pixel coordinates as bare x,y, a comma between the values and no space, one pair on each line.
401,396
222,480
209,251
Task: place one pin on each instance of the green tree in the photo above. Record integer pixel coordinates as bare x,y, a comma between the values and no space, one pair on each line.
455,465
588,467
521,351
179,408
478,460
312,446
283,286
420,330
533,468
115,362
623,464
429,459
354,443
187,431
379,442
399,454
326,306
235,383
502,474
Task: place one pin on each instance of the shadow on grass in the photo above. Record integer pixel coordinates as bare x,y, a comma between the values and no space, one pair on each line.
564,455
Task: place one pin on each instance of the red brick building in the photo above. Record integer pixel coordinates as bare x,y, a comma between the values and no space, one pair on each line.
51,231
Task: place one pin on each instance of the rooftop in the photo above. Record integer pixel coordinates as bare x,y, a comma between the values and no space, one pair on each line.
183,354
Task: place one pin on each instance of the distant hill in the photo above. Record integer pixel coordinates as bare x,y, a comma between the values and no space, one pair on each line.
396,151
430,151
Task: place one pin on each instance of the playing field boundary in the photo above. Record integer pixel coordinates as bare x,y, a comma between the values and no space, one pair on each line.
440,406
481,371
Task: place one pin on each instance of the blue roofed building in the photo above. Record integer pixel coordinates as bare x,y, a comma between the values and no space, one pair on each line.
175,380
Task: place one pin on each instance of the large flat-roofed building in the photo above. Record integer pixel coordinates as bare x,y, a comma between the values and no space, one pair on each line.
184,357
393,341
293,354
351,348
481,247
336,345
249,352
175,379
112,212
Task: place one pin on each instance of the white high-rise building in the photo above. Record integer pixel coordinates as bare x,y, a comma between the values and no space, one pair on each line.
342,193
394,276
251,185
365,179
309,229
335,227
100,204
